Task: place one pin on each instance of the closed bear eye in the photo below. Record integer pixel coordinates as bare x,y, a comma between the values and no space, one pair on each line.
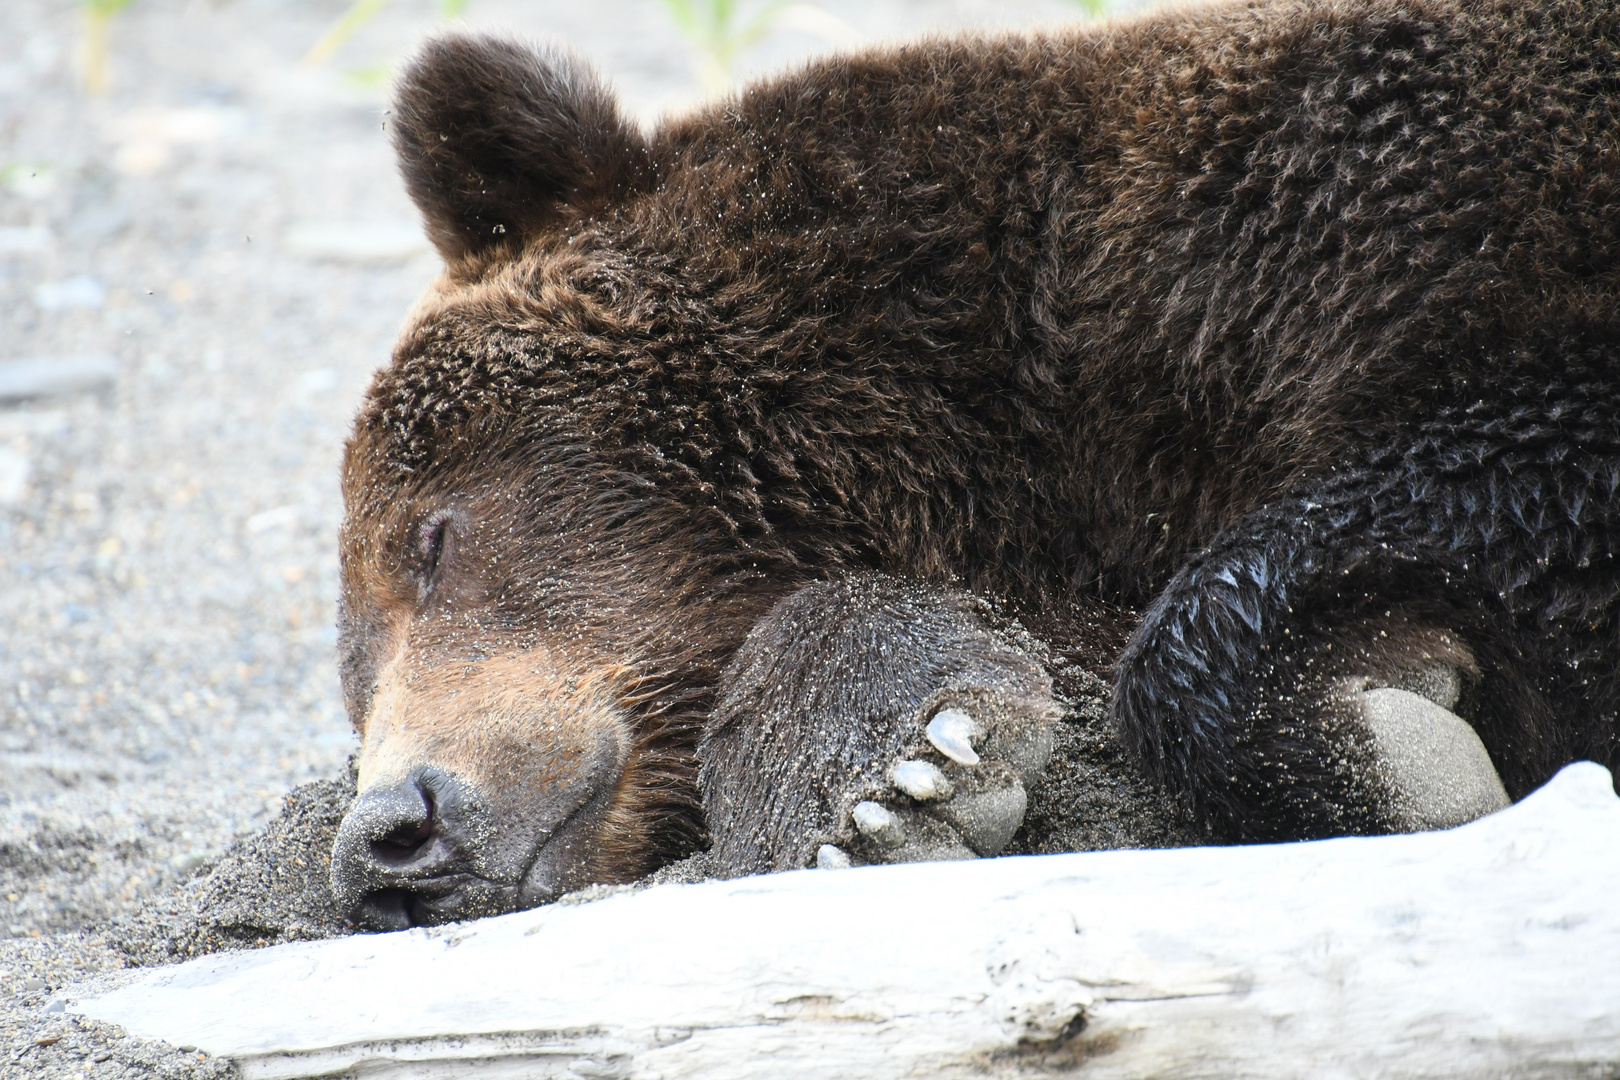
430,543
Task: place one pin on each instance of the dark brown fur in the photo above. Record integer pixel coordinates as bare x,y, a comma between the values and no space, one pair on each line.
1038,315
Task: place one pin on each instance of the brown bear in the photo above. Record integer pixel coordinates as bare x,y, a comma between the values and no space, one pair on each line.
672,522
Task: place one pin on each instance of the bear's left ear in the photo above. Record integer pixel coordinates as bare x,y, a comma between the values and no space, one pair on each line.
497,141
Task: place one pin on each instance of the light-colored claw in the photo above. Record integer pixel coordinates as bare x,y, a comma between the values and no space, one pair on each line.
952,732
922,780
831,857
878,824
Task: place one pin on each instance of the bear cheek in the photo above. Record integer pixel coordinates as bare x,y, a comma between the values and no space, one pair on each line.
500,771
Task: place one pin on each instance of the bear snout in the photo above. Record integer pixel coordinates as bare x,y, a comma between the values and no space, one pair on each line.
424,850
434,846
396,841
483,786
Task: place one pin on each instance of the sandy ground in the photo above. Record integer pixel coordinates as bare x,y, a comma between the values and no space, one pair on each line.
218,252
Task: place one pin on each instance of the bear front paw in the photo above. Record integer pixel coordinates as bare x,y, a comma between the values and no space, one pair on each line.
881,718
959,793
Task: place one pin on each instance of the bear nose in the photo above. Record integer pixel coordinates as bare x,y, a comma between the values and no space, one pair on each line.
406,830
391,836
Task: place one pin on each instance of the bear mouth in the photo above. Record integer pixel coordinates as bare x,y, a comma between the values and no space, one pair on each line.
435,901
555,863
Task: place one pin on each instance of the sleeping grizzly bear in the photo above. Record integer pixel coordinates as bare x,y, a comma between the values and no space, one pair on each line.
684,511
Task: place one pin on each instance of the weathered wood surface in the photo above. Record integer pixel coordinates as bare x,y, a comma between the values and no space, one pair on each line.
1492,950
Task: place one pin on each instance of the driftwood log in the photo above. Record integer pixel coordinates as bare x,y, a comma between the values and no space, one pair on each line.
1490,950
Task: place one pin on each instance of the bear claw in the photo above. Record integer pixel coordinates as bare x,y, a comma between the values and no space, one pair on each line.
952,732
831,857
922,780
878,824
964,807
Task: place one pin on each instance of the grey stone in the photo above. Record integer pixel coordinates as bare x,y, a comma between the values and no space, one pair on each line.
56,376
14,472
82,291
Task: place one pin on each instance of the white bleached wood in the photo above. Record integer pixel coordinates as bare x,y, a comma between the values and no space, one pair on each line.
1489,950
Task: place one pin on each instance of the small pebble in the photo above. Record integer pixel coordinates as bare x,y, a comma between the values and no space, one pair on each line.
15,469
82,291
56,376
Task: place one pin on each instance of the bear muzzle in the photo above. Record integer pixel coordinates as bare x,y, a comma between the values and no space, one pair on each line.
482,785
427,849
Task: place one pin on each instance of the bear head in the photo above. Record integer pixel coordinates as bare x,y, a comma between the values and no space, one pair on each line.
506,644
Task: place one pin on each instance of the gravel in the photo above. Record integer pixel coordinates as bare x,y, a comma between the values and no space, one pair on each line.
198,272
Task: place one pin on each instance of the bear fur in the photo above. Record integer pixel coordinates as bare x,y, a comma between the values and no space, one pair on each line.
1294,326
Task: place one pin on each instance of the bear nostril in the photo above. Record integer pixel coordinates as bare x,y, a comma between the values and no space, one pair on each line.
403,844
407,841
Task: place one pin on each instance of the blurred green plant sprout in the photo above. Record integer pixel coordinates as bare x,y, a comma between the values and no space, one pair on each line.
97,15
720,30
29,179
361,12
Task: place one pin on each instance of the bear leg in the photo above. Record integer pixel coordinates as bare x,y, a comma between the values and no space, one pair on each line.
869,720
1402,645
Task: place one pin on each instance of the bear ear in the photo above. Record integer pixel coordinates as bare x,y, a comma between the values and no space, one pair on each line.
497,141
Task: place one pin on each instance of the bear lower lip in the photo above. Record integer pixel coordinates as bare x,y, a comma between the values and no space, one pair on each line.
385,910
463,905
431,901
